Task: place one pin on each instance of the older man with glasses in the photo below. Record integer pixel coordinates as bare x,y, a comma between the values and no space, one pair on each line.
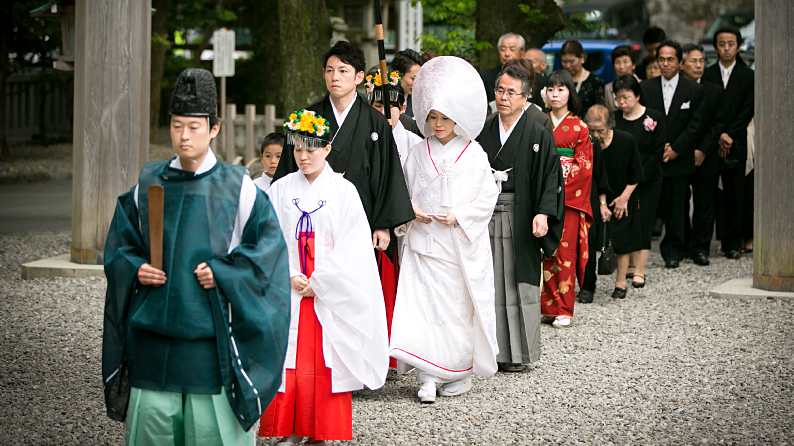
528,216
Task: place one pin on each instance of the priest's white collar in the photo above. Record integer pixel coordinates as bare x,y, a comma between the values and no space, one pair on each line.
209,162
505,134
340,118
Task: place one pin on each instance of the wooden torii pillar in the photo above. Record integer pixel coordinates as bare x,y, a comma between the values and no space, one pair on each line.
111,114
773,242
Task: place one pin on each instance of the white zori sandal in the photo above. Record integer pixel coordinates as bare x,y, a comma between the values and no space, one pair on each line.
562,322
427,393
456,388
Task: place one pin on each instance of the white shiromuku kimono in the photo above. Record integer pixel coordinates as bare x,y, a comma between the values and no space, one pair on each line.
444,319
349,303
405,141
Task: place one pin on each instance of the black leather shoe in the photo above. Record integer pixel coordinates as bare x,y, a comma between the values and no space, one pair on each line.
733,254
619,293
700,259
671,263
585,297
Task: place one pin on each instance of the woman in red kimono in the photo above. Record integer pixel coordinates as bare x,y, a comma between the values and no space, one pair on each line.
576,155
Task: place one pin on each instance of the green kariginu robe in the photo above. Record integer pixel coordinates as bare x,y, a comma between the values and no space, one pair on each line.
180,337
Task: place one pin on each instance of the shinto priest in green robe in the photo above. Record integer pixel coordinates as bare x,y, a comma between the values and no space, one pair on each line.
180,337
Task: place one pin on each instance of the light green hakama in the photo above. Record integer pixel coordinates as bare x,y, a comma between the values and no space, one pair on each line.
183,419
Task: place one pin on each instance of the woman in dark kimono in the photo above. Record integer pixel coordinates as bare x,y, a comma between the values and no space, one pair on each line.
624,172
588,86
647,127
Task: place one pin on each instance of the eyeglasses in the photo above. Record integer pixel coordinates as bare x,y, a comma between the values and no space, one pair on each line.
504,49
511,94
669,60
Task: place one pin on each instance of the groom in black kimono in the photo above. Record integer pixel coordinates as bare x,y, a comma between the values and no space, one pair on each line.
528,216
362,146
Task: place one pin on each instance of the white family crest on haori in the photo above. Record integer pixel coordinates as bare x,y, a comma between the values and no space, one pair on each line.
444,318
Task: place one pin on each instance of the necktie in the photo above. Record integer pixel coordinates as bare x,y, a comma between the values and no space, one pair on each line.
725,77
668,97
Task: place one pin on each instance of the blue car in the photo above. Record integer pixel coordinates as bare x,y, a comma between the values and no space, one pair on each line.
597,56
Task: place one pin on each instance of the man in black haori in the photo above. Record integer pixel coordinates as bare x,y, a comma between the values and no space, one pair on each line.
528,216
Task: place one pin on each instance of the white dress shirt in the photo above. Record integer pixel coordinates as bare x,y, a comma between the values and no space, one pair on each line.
668,90
726,73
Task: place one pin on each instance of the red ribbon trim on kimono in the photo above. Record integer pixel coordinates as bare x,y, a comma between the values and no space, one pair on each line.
434,163
434,365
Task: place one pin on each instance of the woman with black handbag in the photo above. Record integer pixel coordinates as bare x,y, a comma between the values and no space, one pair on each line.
624,171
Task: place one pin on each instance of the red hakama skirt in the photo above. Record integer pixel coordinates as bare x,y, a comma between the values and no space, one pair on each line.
561,271
388,280
308,407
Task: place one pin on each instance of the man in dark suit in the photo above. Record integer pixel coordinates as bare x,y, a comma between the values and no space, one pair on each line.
681,100
511,46
701,229
737,81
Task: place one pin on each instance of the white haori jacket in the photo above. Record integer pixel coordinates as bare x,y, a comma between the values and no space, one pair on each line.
349,302
457,179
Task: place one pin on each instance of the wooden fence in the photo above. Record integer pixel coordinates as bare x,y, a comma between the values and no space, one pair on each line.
24,108
241,134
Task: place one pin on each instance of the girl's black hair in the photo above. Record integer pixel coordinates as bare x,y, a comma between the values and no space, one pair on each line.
562,77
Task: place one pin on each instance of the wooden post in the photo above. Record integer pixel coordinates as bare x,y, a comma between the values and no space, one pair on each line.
230,116
222,115
111,114
250,144
270,119
773,241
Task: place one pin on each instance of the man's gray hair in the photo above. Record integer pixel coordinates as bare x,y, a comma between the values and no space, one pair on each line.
599,113
523,76
521,42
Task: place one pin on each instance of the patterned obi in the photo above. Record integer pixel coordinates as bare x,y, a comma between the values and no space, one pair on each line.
566,159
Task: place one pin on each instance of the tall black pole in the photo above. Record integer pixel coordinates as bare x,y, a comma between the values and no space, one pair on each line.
384,75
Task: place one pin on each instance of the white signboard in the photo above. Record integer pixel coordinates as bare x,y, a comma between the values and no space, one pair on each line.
410,26
223,57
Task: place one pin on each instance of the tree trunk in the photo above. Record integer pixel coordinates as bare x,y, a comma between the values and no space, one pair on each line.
267,62
305,32
495,19
6,33
160,45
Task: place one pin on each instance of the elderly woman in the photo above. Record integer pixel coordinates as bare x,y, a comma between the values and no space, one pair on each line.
624,172
623,61
647,127
576,156
589,87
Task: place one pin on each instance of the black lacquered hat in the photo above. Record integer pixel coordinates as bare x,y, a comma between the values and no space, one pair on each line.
194,94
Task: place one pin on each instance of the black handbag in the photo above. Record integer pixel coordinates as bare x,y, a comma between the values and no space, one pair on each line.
607,260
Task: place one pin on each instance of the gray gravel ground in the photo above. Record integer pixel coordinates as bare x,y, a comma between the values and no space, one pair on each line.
667,365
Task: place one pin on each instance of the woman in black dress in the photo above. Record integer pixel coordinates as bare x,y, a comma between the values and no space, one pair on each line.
589,87
647,127
624,172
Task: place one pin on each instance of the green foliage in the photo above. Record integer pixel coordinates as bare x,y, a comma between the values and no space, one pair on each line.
454,22
35,42
533,16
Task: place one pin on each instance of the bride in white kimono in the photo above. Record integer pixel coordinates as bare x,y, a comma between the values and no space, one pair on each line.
338,318
444,319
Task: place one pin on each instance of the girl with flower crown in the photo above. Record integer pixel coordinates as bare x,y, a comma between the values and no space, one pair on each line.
444,318
647,127
337,340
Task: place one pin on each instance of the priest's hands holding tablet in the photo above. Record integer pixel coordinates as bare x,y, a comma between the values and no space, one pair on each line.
380,239
149,275
301,285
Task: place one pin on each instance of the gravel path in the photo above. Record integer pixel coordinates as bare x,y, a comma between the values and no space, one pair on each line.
667,365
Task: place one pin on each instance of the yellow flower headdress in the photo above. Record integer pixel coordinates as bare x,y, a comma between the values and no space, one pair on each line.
375,92
310,127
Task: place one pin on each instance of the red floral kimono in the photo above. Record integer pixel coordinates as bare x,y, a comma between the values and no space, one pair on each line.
576,155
